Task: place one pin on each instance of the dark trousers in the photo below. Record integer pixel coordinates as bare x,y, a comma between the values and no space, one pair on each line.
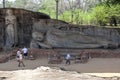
68,61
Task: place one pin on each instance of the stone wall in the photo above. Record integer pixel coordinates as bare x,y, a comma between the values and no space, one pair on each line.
93,53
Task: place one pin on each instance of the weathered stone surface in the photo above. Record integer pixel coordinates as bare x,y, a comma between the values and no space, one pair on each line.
11,29
37,30
58,34
23,23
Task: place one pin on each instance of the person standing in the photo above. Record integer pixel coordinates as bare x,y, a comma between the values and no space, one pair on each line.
20,58
68,59
18,53
25,52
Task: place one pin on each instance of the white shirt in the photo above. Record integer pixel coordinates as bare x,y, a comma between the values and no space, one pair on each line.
25,50
20,57
18,53
68,56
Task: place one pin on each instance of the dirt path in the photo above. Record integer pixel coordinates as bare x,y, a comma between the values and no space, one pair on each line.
95,65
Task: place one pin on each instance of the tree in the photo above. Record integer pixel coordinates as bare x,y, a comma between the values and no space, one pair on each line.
114,10
99,14
113,2
48,7
3,3
74,11
109,2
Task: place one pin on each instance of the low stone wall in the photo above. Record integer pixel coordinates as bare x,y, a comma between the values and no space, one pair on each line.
44,53
93,53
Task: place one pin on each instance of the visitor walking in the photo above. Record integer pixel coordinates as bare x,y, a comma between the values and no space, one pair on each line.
20,58
68,59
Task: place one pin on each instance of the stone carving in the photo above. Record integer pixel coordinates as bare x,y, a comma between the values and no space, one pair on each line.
38,41
11,29
37,30
52,34
16,27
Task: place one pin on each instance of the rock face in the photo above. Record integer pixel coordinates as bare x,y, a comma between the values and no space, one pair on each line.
16,26
58,34
19,27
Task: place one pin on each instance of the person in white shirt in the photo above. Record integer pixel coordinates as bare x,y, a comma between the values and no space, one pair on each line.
25,52
68,59
20,58
18,53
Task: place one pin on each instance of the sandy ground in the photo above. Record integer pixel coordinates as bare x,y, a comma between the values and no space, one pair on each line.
104,66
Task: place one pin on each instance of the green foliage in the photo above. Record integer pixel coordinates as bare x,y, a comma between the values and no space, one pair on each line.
114,10
78,16
20,3
95,12
65,16
99,14
48,7
8,4
112,2
48,11
81,17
